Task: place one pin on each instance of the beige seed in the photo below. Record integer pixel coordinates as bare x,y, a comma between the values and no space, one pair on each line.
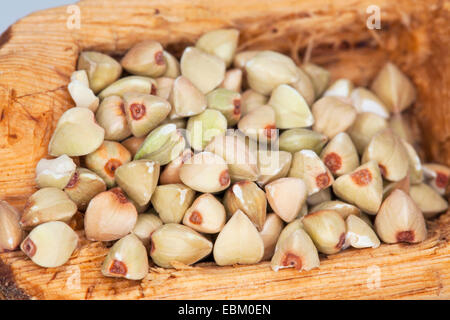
366,101
227,102
428,200
81,76
366,126
241,160
289,229
241,58
239,242
101,69
50,244
327,229
332,116
173,66
305,87
247,197
171,172
83,186
204,70
145,58
106,159
273,165
146,224
340,155
437,176
138,179
164,87
270,233
111,116
400,220
320,77
360,234
127,259
206,214
268,69
286,197
296,251
133,144
344,209
186,99
205,172
76,134
232,80
162,145
178,243
47,204
291,109
403,185
250,100
294,140
404,127
388,151
171,201
82,95
109,216
135,84
11,233
319,197
415,165
202,128
363,187
144,112
221,43
394,88
55,172
341,88
307,165
259,124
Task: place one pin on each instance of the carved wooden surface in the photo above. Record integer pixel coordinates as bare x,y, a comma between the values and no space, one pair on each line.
39,52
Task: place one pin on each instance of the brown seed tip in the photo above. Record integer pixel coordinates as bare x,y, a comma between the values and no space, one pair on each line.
441,180
118,267
196,217
269,130
237,107
122,109
224,178
405,236
341,241
362,177
137,110
153,90
111,166
159,58
292,260
322,180
73,181
383,170
29,248
333,161
120,195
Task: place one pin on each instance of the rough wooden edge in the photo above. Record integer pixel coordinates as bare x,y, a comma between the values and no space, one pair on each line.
25,53
406,272
9,288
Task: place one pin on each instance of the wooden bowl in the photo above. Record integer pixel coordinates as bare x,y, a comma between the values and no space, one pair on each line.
39,52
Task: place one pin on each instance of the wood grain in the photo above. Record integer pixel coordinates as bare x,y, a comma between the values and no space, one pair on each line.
39,52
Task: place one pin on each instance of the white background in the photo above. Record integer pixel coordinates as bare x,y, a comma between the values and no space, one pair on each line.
13,10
